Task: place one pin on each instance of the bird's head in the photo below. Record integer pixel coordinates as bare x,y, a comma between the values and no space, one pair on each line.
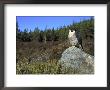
71,32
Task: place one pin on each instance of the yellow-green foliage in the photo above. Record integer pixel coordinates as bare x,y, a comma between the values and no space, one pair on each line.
39,67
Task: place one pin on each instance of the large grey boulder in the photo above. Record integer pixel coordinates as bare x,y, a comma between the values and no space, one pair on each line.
76,61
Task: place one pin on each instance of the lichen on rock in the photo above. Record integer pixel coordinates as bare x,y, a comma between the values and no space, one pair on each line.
77,60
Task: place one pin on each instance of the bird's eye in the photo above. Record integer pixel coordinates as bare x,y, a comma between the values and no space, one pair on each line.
71,30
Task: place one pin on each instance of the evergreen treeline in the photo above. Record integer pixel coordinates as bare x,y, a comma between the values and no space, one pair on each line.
85,29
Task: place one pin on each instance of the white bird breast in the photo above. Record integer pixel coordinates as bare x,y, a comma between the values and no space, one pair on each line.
71,33
72,38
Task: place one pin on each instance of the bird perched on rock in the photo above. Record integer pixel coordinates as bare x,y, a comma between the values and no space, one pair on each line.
72,37
75,38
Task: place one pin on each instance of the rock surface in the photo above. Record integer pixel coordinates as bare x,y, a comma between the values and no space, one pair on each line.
77,61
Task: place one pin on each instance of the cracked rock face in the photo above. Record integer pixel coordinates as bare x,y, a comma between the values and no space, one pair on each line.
77,60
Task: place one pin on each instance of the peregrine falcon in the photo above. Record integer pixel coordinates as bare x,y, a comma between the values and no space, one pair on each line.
75,38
